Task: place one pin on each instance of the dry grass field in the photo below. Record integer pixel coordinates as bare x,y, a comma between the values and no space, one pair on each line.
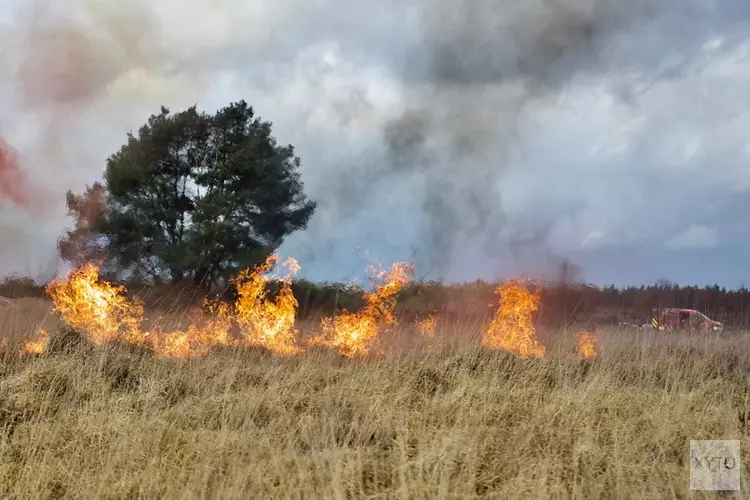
443,418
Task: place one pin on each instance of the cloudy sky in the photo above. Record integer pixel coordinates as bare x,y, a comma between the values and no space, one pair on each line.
477,139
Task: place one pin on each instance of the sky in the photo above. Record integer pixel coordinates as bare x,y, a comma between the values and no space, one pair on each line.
484,139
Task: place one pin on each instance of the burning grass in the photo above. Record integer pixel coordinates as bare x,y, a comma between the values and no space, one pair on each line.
104,313
447,418
242,401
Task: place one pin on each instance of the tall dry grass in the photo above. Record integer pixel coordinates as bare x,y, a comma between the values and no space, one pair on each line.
441,420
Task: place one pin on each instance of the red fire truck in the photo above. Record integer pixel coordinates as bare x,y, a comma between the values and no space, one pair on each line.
683,319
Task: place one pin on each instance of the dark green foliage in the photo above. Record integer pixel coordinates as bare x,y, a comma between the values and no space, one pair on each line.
192,196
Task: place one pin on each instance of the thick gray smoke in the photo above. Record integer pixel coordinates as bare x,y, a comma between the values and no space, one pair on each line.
478,67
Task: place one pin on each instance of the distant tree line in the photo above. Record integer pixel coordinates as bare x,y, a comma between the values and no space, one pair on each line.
577,304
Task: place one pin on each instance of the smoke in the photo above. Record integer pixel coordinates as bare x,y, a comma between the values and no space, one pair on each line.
475,72
62,60
424,106
59,59
476,76
67,56
477,81
70,60
15,185
479,67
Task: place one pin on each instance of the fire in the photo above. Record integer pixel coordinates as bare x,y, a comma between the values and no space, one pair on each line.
264,322
586,344
427,326
211,328
37,345
98,308
353,334
512,328
104,313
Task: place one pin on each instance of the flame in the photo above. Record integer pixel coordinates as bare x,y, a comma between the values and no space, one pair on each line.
427,326
104,313
37,345
98,308
512,328
586,344
211,329
264,322
353,334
